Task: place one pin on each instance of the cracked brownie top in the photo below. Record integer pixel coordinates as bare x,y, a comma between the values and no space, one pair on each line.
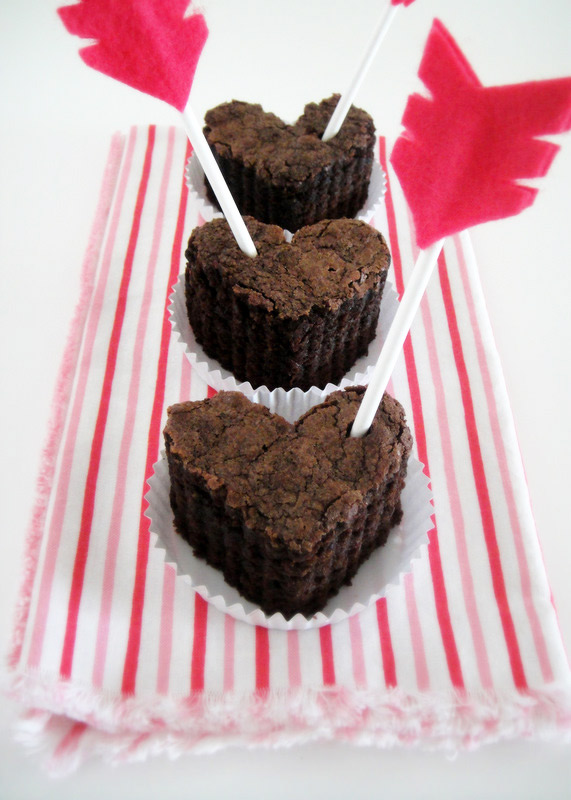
286,154
294,482
325,263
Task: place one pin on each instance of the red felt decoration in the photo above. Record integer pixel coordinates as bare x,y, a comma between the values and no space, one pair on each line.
148,44
465,148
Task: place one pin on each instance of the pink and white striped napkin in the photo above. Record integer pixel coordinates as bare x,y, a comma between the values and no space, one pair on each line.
112,654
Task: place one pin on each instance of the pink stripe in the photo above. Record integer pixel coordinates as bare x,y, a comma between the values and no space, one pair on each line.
137,742
478,639
327,660
99,433
229,639
357,655
138,599
169,582
121,480
389,667
199,644
439,586
167,621
486,512
70,741
185,379
61,495
293,660
60,403
419,655
527,591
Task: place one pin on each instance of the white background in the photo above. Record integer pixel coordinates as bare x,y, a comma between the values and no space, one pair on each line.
56,118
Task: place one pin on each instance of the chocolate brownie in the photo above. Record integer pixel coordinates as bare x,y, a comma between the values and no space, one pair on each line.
287,512
285,174
298,314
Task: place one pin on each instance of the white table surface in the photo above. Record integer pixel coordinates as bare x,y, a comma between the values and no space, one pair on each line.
56,120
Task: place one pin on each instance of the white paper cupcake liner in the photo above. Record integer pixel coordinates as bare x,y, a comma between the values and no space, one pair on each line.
377,577
194,176
291,403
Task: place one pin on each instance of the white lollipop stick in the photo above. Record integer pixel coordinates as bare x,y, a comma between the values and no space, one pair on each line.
217,182
347,98
395,338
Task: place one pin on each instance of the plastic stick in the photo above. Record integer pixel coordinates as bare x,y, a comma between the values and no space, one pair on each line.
217,182
348,96
395,338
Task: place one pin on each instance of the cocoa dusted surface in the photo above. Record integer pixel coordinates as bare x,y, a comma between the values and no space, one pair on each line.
287,512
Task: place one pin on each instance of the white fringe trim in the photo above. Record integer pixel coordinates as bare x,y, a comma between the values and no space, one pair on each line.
131,729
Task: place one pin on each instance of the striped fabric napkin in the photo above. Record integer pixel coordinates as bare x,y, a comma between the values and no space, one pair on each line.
114,655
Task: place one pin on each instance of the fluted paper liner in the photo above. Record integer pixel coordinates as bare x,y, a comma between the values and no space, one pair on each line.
291,403
377,577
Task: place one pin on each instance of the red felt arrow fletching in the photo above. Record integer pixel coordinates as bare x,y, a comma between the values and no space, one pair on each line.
465,147
148,44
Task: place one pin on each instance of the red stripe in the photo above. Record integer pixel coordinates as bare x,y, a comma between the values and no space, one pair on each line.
210,392
134,642
389,667
198,644
70,741
99,432
262,659
439,586
78,353
481,484
509,490
125,441
327,661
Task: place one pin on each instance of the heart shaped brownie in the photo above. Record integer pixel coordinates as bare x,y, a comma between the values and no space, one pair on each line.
298,314
287,512
285,174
